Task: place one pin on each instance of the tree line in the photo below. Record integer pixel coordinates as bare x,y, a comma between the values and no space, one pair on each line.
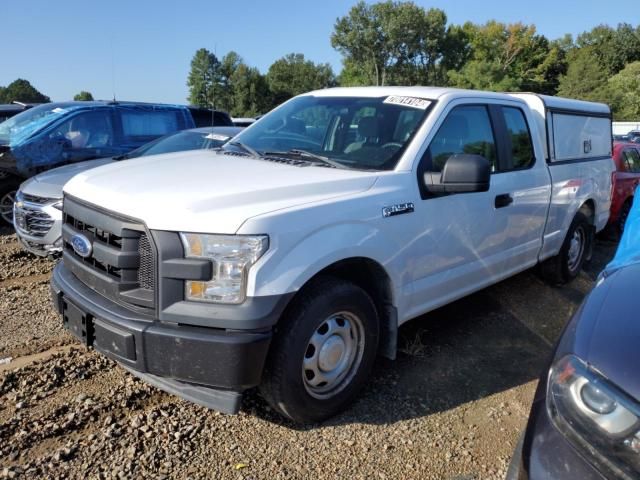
401,43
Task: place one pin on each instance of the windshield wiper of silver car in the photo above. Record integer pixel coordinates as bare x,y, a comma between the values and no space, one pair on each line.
254,153
310,155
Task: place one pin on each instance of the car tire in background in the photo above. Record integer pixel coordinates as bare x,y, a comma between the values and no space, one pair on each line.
575,251
322,352
624,214
8,188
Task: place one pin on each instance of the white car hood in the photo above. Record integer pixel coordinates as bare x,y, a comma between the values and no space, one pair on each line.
205,191
49,184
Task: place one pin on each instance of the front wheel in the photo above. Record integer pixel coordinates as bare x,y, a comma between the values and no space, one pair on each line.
323,350
575,250
8,189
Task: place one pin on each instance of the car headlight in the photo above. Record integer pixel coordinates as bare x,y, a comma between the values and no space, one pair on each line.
598,418
232,256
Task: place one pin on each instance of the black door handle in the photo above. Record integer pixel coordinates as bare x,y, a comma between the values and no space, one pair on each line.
503,200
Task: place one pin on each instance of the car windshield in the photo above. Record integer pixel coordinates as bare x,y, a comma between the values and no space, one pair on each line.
24,124
179,142
351,132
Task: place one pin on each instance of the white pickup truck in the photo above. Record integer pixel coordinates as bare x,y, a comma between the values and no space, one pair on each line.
288,259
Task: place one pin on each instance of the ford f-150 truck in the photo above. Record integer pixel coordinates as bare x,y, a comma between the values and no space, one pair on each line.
287,259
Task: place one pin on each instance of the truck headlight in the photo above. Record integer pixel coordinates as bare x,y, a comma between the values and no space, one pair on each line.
232,257
599,419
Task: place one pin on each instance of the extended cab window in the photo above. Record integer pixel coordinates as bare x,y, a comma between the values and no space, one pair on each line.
518,132
467,129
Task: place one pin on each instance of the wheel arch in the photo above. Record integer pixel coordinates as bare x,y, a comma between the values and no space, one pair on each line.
373,278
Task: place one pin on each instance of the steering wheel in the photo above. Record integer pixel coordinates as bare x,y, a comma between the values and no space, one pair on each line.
392,144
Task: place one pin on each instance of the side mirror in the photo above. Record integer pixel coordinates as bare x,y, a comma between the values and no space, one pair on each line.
462,173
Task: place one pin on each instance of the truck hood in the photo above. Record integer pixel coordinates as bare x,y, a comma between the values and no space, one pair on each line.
206,191
49,184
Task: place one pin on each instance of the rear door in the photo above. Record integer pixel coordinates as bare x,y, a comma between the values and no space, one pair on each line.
475,239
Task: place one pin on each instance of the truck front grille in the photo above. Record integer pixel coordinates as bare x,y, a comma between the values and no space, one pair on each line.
121,264
146,271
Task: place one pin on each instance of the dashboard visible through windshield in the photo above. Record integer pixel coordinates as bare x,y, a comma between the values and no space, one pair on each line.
353,132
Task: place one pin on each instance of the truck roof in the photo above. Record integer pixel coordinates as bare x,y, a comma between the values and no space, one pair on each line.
435,93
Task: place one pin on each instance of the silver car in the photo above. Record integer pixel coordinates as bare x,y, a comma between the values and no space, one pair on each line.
37,211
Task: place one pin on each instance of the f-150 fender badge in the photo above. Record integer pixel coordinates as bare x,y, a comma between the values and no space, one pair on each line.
397,209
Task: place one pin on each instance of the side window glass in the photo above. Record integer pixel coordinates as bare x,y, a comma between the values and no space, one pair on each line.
467,129
521,145
633,160
141,126
90,130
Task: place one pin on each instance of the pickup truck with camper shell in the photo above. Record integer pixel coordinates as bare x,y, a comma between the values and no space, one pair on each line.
287,259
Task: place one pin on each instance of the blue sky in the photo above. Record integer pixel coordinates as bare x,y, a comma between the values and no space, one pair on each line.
144,47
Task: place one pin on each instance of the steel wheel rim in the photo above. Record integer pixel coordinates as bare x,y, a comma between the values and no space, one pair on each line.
6,206
576,249
333,355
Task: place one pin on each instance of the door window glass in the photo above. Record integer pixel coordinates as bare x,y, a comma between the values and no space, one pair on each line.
632,158
521,147
467,129
89,130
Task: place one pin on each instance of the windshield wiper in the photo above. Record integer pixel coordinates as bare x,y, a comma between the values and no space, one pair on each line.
303,153
246,148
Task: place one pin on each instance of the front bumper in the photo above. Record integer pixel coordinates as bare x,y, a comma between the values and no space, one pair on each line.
209,366
38,227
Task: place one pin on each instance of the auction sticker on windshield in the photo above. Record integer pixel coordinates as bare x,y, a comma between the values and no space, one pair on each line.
414,102
216,136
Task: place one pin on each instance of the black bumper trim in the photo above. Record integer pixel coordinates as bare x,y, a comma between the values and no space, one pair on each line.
221,400
198,356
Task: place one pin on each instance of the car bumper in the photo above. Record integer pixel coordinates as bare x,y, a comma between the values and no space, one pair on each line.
208,366
545,453
38,228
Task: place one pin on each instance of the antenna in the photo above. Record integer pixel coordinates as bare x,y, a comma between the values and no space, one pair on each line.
213,85
113,69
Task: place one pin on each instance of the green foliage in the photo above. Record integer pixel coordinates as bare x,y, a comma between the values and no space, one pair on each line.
508,57
401,43
393,43
83,96
585,79
293,75
612,48
624,93
204,78
21,90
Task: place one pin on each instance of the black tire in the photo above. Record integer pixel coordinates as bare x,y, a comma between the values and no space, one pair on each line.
8,188
624,214
286,384
564,267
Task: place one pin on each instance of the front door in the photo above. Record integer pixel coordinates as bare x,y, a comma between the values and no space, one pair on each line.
471,240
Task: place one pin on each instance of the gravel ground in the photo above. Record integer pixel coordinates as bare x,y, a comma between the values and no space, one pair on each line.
451,407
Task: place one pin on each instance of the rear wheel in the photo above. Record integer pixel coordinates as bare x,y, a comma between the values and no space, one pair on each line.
322,352
575,250
8,189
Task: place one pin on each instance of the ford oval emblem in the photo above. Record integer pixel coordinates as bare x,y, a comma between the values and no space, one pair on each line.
81,245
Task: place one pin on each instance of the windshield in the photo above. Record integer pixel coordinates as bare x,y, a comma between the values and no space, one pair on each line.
21,126
354,132
179,142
